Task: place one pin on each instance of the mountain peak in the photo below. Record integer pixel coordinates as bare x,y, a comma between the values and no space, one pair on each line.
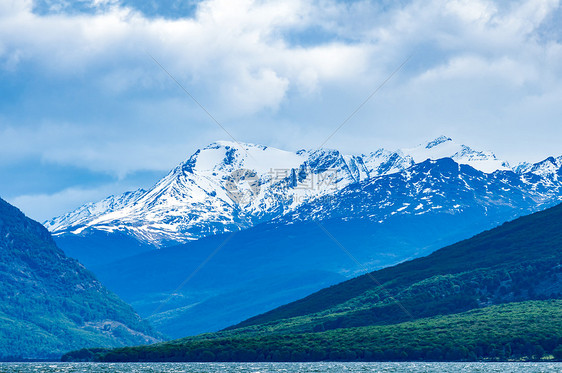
438,141
445,147
550,167
233,145
230,155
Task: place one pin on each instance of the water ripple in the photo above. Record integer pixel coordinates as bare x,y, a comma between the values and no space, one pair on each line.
322,367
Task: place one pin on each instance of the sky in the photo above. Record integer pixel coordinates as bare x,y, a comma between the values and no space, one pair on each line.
86,111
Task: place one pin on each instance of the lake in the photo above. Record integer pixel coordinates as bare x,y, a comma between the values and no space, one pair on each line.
279,367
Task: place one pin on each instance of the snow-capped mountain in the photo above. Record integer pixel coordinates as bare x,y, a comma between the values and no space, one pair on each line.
550,168
444,147
434,187
229,186
223,187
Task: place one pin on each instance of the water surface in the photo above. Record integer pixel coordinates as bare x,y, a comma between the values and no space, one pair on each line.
279,367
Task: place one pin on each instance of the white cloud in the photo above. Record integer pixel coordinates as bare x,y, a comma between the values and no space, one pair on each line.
468,68
232,53
100,151
44,206
233,42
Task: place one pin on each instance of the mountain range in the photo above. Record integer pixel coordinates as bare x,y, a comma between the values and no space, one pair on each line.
50,303
240,229
229,186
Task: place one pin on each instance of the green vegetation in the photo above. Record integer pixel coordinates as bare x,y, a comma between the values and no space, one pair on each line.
520,331
50,303
494,296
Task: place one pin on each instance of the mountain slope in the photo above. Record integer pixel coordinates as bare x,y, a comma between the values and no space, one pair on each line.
217,281
517,261
50,303
493,296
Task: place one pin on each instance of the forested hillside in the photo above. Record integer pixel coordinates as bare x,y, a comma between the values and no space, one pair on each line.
50,303
528,331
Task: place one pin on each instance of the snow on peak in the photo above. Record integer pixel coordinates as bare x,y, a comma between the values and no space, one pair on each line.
228,156
445,147
93,210
223,157
384,162
232,144
549,167
438,141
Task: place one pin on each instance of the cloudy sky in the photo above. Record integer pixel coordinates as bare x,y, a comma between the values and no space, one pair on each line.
85,112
